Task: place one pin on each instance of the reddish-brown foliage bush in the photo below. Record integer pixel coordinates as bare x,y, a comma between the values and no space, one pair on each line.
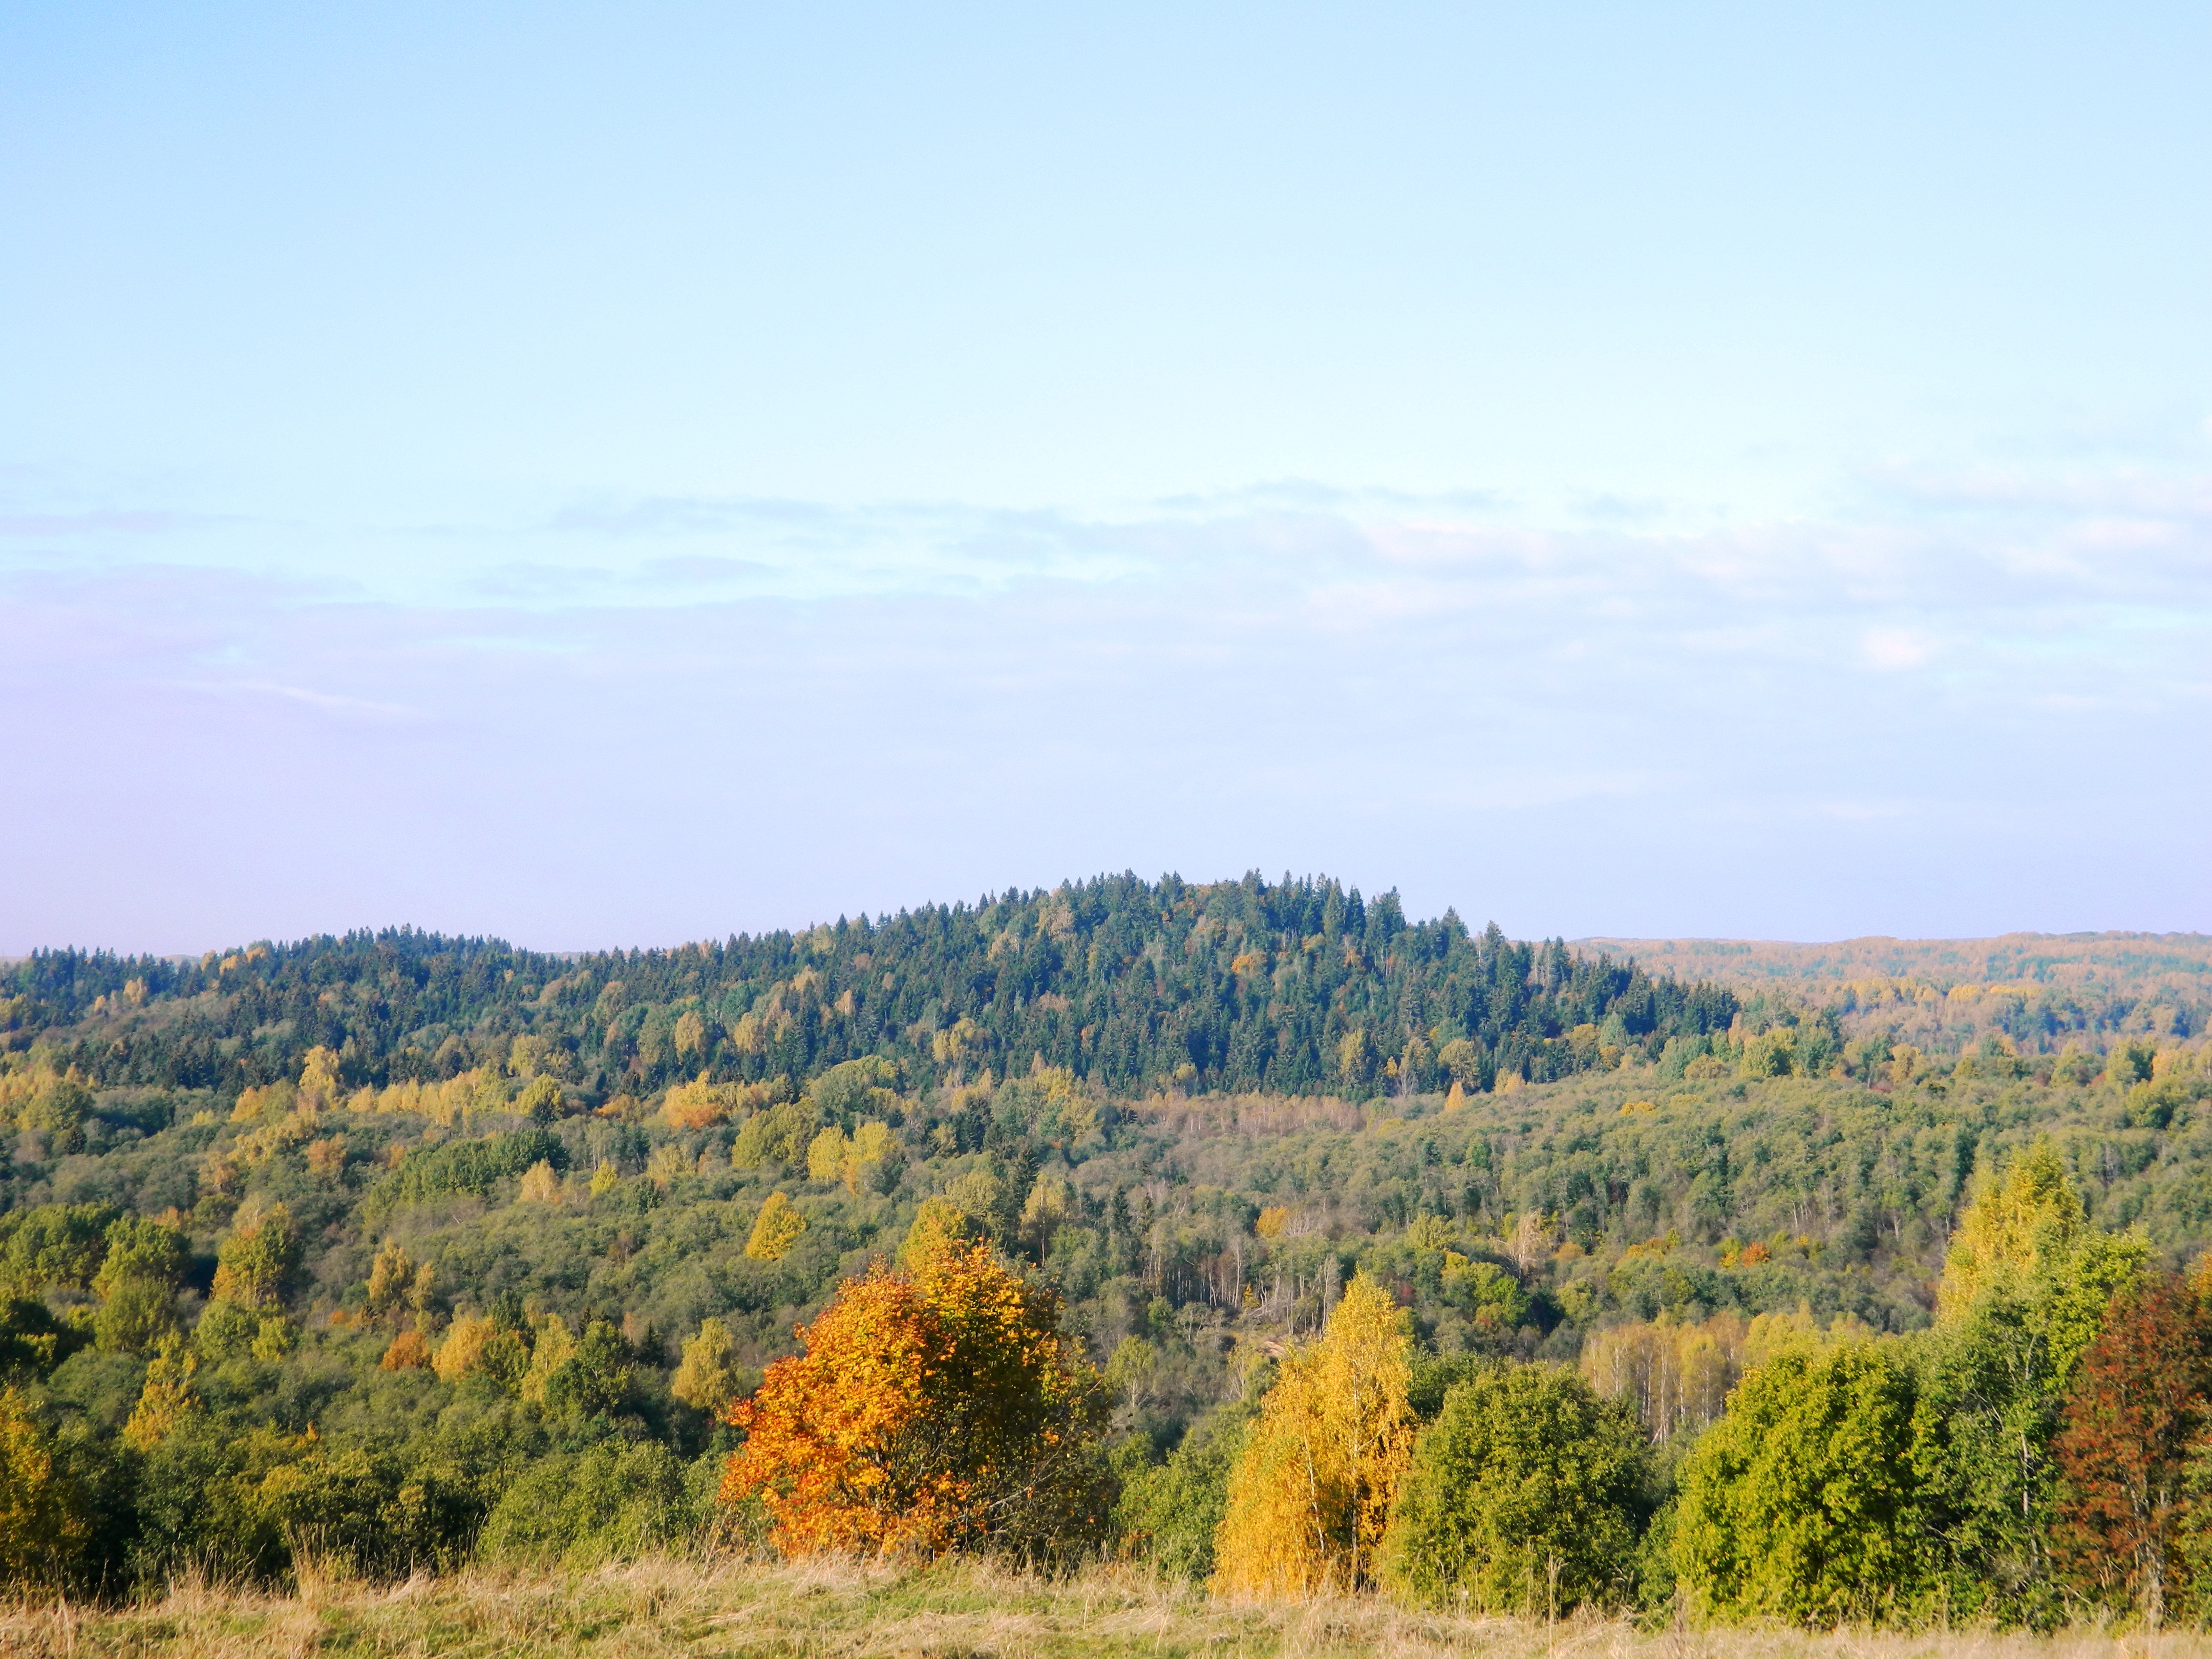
2136,1407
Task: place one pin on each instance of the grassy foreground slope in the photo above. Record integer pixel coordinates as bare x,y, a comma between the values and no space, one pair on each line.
661,1607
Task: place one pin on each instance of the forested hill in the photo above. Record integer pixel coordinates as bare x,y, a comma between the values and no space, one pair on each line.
416,1251
1296,987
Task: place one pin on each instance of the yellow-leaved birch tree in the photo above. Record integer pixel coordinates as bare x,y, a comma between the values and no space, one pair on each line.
1311,1495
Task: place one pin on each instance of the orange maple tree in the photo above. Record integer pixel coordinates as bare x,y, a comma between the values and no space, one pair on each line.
934,1408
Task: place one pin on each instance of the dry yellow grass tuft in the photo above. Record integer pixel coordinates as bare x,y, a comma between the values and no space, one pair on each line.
656,1608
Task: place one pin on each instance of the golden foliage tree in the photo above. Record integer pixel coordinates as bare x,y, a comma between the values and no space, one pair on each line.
938,1224
1310,1496
540,1102
258,1260
462,1352
1355,1057
554,1348
2013,1222
702,1104
1678,1376
826,1156
478,1344
390,1276
43,1527
320,1089
932,1410
539,1184
167,1398
1043,1213
875,1149
775,1229
708,1378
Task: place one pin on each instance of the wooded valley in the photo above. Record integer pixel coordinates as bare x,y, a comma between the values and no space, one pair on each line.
407,1251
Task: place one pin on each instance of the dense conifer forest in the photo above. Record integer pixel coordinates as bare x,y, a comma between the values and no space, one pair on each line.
405,1251
1132,985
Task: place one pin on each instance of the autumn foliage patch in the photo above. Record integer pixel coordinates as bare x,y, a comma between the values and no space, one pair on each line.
2127,1514
934,1408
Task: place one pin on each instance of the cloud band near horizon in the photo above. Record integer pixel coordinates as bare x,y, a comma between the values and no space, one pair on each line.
1969,706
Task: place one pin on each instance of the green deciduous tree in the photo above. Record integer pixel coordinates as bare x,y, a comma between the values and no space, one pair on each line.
1170,1513
256,1263
1524,1496
780,1135
59,1110
615,1500
709,1377
52,1246
135,1315
1801,1504
2024,1293
1130,1371
138,1248
595,1379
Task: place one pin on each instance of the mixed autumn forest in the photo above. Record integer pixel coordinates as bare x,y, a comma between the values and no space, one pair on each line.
1250,1232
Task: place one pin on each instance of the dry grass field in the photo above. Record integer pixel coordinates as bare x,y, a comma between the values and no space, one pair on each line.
653,1608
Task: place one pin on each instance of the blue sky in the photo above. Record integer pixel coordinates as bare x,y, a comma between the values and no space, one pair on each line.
615,475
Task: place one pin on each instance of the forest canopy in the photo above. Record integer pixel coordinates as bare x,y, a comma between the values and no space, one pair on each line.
1298,987
432,1251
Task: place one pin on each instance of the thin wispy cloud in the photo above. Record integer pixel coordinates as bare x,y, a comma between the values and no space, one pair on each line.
329,702
1764,726
720,512
1898,648
70,526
